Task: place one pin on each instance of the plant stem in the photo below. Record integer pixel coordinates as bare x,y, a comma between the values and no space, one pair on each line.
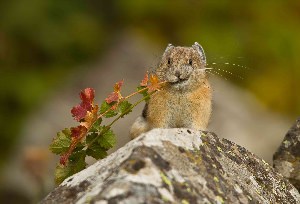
125,98
117,118
131,107
134,93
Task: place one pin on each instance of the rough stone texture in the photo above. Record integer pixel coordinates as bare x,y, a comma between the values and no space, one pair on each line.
177,166
287,158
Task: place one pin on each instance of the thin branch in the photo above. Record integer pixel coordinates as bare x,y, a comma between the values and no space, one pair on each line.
117,118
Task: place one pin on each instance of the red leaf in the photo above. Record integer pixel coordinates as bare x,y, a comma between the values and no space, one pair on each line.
87,106
78,112
87,95
144,82
114,96
77,132
114,107
63,159
90,117
87,98
154,83
118,85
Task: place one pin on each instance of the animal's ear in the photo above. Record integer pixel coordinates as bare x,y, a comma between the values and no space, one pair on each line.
200,50
169,47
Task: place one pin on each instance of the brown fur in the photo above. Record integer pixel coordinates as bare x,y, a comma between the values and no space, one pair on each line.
186,99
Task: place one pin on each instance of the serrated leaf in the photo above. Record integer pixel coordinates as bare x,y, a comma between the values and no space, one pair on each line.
116,95
96,151
91,117
154,84
61,173
96,126
110,114
76,164
118,85
77,132
107,140
87,95
79,147
144,82
91,137
124,107
77,155
62,142
104,107
144,93
78,112
112,97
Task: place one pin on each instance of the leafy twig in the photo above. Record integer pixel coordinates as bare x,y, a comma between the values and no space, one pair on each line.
90,138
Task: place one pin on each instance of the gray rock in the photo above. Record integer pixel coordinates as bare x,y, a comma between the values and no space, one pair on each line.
287,158
177,166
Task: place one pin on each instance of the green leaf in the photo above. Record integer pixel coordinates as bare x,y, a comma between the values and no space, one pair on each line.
76,163
79,147
62,142
125,107
104,107
96,126
90,137
96,151
61,173
110,114
107,140
77,155
144,93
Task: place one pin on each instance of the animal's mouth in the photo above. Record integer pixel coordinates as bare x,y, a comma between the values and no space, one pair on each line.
179,81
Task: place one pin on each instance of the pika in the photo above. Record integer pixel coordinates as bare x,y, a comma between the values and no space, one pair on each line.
186,99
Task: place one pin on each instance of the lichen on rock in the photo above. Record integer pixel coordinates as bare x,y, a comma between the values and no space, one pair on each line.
177,166
287,158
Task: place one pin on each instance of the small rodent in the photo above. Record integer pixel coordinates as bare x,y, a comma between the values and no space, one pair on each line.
186,99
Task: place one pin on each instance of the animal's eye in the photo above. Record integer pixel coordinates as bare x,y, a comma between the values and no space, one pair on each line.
190,61
169,61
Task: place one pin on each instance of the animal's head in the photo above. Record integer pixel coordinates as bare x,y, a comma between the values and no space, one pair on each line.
181,67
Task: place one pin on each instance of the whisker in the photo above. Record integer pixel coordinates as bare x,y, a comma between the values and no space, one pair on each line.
241,66
211,73
219,74
233,64
228,72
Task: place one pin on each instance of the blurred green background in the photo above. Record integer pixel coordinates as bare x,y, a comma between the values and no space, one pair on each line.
41,42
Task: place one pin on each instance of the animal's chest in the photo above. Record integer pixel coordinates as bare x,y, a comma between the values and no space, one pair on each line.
179,110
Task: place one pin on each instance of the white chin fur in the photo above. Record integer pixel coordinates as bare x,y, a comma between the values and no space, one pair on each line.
181,85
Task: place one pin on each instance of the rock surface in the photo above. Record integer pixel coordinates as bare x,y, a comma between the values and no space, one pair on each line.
177,166
287,158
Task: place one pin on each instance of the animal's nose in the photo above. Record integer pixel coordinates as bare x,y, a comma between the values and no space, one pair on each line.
177,74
